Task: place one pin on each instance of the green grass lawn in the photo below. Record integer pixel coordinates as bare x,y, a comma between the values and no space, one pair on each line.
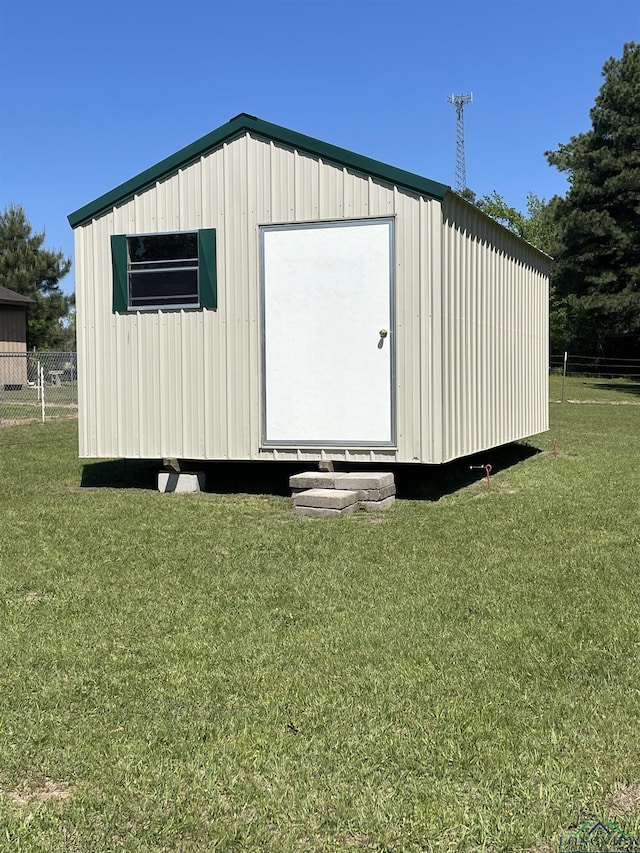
212,673
588,388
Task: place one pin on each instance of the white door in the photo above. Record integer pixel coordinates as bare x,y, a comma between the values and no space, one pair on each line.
327,336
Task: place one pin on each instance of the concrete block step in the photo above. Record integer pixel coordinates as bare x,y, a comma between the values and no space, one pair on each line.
331,494
364,481
314,480
325,512
326,498
385,503
341,480
377,494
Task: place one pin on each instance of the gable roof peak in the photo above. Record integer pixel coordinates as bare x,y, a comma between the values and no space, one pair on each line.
242,123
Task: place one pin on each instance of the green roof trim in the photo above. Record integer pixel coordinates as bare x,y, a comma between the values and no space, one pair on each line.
237,127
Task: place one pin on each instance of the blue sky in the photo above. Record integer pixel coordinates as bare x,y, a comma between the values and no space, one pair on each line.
92,92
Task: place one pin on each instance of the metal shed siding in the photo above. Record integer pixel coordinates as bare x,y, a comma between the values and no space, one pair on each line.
494,334
13,328
187,383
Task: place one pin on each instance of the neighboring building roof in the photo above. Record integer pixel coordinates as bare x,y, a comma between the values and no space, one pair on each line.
10,297
237,127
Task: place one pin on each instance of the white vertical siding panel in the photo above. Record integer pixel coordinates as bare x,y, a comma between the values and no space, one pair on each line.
486,361
258,184
432,384
196,408
381,199
166,408
124,353
218,322
522,343
493,372
210,327
82,257
144,211
282,184
85,252
259,181
479,388
331,192
423,358
466,293
190,190
191,426
445,324
137,377
305,187
497,377
148,439
450,425
85,339
109,363
356,195
237,273
408,321
129,425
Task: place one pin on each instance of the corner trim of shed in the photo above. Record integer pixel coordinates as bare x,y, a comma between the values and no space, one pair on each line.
244,123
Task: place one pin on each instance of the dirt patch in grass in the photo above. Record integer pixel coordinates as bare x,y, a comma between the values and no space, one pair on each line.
543,847
625,801
48,792
32,595
360,839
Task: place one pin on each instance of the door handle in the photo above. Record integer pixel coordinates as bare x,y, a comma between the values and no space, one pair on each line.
383,333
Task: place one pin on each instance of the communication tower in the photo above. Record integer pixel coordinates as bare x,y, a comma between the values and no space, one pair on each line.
459,102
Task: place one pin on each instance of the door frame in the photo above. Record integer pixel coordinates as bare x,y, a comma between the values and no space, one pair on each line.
316,224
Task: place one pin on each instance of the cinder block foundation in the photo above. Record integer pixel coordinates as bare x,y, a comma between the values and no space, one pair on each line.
181,482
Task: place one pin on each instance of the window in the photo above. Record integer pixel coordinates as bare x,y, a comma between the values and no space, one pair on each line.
155,271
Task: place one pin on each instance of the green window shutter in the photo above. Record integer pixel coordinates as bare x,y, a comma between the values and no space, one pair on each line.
207,277
119,261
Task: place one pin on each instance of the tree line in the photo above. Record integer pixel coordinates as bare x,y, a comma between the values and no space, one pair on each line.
29,268
592,233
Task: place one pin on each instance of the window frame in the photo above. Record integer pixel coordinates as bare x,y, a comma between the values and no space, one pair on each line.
207,296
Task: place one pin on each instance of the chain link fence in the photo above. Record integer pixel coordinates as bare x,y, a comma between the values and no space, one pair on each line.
38,386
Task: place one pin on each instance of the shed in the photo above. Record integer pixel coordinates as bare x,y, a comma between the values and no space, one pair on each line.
13,336
263,295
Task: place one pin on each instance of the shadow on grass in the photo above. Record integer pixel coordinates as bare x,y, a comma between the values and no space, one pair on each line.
413,482
120,474
626,388
432,482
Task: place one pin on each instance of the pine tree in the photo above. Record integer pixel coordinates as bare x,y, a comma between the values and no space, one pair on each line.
598,268
32,270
